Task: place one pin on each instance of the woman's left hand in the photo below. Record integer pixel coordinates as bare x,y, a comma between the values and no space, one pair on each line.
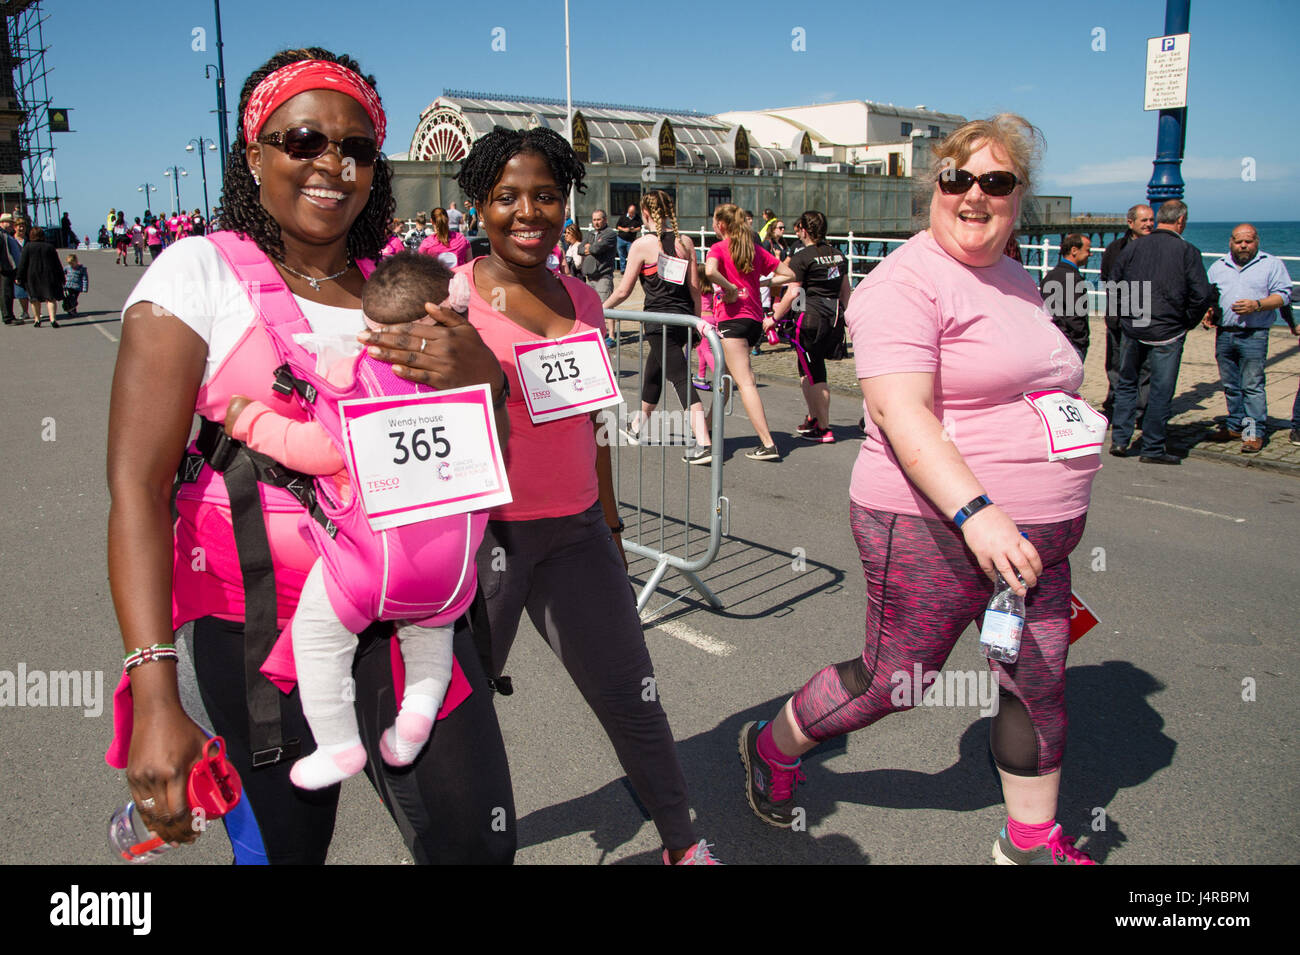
448,354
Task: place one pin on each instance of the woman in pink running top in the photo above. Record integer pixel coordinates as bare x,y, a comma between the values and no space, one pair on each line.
956,484
735,266
302,114
555,550
450,248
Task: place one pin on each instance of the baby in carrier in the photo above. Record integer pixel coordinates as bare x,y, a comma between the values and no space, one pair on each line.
323,645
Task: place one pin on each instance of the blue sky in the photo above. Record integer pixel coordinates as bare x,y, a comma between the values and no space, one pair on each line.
135,85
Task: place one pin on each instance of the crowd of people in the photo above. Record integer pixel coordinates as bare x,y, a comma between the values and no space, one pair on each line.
943,323
154,232
1157,291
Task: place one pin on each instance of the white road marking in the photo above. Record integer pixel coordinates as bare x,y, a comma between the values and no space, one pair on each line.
100,328
1182,507
701,641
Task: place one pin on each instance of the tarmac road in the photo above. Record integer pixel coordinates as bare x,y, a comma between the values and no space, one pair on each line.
1183,702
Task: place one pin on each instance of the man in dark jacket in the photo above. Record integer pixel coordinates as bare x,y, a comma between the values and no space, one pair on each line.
1141,220
1065,291
1160,290
10,252
599,254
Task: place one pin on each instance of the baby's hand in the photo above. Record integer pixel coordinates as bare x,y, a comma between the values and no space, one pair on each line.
233,410
458,293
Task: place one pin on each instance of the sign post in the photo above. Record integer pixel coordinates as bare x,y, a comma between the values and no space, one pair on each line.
1166,90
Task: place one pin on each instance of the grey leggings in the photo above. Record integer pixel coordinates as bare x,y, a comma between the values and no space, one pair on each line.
566,572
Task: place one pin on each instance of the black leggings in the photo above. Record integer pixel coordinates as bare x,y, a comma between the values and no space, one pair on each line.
453,805
678,374
566,573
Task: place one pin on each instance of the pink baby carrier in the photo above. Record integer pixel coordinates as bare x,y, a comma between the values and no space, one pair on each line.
430,569
423,572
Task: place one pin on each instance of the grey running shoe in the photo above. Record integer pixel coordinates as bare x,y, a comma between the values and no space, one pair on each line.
760,453
769,789
700,454
1058,850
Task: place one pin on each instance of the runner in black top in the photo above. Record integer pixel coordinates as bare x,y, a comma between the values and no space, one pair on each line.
665,261
816,293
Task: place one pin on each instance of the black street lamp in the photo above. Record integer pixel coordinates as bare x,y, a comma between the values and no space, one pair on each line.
199,143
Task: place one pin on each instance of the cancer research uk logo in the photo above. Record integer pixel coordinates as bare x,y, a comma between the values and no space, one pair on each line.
76,908
444,471
71,688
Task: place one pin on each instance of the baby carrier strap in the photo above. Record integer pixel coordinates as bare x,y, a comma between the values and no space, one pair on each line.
242,469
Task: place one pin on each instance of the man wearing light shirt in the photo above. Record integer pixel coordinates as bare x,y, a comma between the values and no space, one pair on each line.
1252,286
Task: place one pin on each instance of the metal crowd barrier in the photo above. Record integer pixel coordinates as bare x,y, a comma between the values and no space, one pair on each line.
662,529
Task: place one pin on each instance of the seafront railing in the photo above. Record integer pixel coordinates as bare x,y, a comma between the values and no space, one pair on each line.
1036,255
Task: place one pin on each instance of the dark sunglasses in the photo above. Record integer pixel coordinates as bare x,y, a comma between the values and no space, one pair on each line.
305,143
953,182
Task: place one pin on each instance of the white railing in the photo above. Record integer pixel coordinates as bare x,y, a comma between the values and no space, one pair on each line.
1046,247
1044,250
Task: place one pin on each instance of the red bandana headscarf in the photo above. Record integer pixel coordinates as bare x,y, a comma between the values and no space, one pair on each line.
288,81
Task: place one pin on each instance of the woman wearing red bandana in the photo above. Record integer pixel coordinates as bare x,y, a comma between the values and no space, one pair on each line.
307,193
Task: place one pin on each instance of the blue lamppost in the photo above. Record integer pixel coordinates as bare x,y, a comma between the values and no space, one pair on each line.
203,168
175,173
1171,133
146,188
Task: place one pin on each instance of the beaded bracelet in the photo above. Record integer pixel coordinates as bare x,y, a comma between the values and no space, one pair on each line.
159,651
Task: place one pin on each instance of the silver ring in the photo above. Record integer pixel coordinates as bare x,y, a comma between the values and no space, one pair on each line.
148,803
423,342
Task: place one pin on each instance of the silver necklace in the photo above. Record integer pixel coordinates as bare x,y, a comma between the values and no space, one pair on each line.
315,282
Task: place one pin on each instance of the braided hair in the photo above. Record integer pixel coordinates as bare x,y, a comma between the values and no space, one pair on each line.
658,206
241,207
480,170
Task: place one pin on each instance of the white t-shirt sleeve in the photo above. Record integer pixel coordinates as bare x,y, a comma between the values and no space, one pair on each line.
191,280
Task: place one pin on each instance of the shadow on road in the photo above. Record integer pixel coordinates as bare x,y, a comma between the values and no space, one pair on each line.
1116,741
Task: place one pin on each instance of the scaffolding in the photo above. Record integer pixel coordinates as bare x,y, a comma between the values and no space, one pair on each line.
25,23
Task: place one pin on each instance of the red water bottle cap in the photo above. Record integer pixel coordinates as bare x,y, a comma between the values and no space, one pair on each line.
214,784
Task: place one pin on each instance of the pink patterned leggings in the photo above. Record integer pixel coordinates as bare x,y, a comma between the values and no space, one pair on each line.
923,589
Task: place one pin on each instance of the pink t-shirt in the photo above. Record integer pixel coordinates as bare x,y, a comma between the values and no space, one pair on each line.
983,334
551,466
457,246
750,303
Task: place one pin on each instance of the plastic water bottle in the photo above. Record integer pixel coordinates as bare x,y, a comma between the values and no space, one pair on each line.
214,788
1004,620
131,838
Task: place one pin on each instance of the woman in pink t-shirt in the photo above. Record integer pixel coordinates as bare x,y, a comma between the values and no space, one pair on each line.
450,248
735,266
954,487
555,550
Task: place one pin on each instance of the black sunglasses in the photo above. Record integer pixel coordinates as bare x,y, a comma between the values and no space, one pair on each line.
953,182
305,143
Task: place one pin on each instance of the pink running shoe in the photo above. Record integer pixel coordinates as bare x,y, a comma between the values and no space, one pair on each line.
697,854
1058,850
